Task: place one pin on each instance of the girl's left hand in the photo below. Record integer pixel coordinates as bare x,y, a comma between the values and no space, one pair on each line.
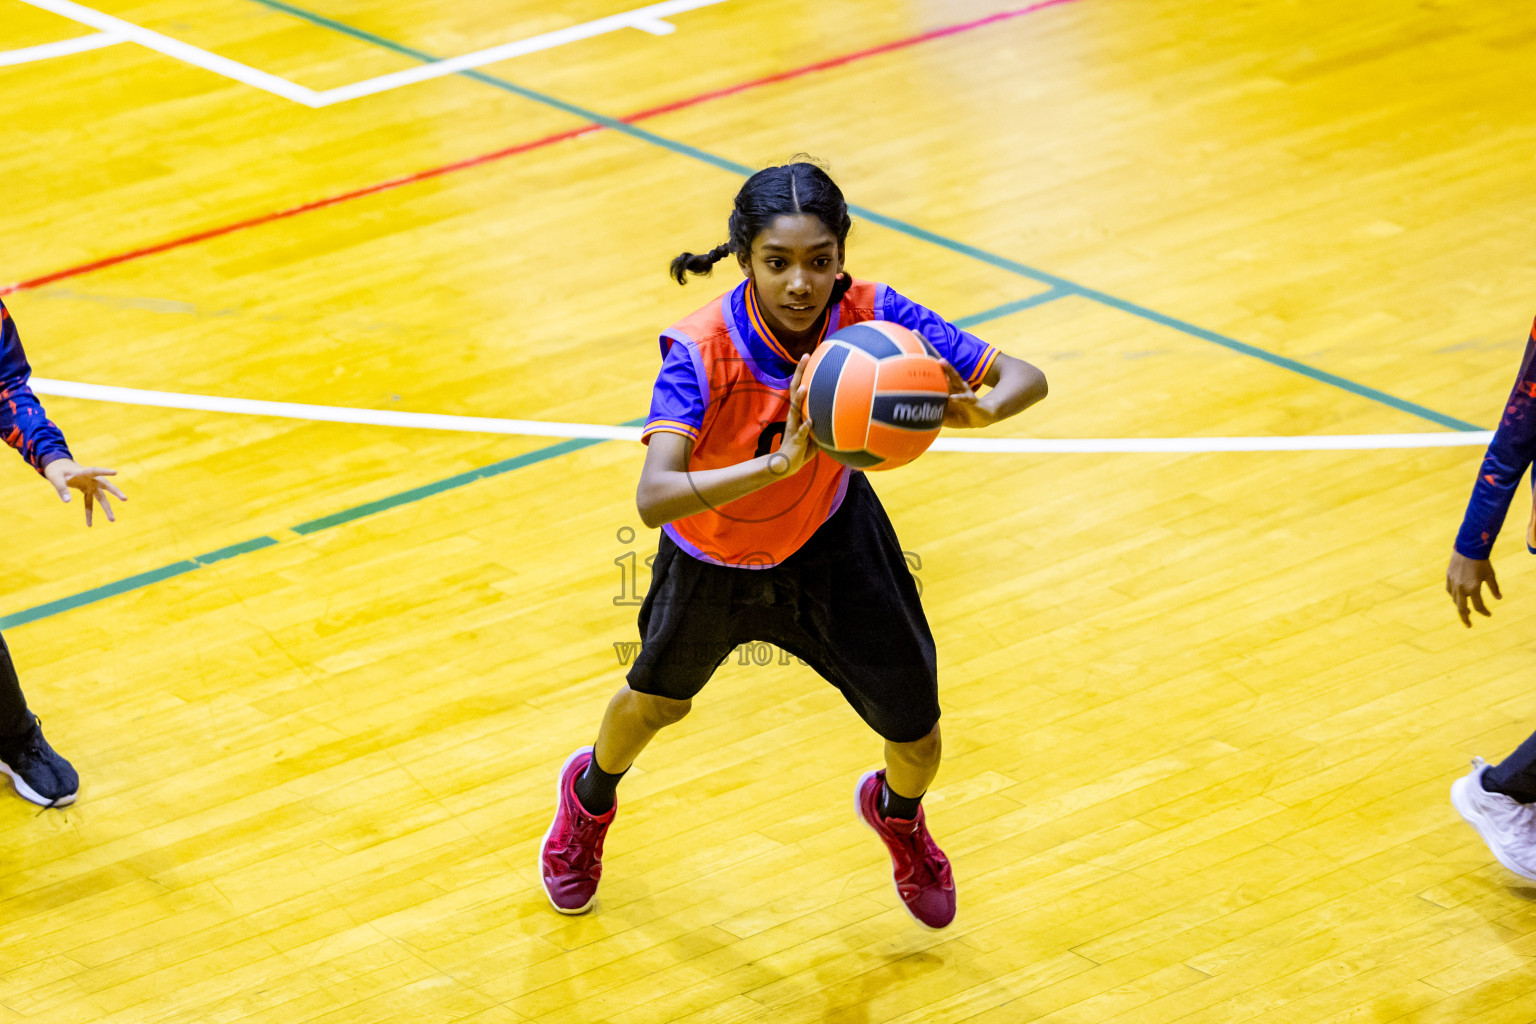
964,409
88,480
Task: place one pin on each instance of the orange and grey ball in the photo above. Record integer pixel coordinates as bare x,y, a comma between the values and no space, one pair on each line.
875,396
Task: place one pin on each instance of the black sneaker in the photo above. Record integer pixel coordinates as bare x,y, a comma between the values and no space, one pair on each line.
39,773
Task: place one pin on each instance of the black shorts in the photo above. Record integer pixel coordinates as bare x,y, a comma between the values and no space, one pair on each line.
846,603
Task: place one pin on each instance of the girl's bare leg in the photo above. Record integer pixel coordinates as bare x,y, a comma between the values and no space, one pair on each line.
910,767
631,721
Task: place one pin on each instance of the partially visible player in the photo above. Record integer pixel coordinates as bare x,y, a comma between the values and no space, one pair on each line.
37,771
1499,801
765,538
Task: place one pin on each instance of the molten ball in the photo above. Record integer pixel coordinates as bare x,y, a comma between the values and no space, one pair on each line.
875,395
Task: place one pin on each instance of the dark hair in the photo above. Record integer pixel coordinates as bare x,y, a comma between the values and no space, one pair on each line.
792,188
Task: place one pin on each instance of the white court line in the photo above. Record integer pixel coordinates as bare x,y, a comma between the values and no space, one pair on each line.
330,413
1301,443
184,52
598,431
63,48
647,19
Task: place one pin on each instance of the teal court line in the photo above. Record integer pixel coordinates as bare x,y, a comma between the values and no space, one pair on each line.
1010,308
415,494
1057,283
137,582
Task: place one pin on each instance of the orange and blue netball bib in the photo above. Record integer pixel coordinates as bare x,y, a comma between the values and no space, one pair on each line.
724,384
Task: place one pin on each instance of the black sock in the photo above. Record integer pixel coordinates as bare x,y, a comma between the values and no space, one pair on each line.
1515,776
596,789
894,806
1518,797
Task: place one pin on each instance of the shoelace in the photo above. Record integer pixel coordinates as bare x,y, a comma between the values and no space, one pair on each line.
580,850
30,749
923,859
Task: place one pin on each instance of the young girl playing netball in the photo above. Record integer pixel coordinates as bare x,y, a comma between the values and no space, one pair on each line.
765,538
35,768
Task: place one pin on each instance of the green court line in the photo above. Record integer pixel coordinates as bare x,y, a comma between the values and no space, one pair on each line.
137,582
407,497
911,230
1010,308
235,550
165,572
416,494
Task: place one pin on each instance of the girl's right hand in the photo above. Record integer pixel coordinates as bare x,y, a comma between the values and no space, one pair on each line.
798,446
88,480
1464,579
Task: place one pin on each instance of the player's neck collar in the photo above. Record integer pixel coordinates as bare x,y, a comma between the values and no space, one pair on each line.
755,316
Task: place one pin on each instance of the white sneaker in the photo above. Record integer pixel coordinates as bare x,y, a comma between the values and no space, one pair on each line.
1506,825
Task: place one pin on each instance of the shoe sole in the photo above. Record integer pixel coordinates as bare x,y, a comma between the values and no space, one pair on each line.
1468,811
559,800
858,810
33,796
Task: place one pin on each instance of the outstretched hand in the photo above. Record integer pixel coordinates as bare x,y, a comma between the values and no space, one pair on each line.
89,481
1464,579
964,408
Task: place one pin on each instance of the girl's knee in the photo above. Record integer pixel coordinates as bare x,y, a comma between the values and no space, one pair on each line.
659,712
925,750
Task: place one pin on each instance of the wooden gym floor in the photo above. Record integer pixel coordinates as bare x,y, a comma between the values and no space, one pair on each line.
1201,706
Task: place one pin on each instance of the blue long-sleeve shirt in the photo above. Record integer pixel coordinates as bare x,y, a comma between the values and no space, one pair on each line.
1509,453
23,424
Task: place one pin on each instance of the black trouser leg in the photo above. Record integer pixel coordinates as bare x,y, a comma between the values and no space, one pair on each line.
1515,776
15,719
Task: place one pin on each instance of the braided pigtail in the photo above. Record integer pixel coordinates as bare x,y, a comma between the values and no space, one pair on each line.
690,263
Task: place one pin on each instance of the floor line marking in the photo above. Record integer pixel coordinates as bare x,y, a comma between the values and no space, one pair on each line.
175,48
294,211
648,19
330,413
139,581
913,231
1208,445
848,58
604,432
454,482
63,48
1009,308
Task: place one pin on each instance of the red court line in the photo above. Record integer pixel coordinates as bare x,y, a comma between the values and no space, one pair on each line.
294,211
848,58
524,147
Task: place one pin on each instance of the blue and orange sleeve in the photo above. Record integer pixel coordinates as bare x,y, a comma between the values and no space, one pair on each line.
1509,454
677,403
23,424
969,355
